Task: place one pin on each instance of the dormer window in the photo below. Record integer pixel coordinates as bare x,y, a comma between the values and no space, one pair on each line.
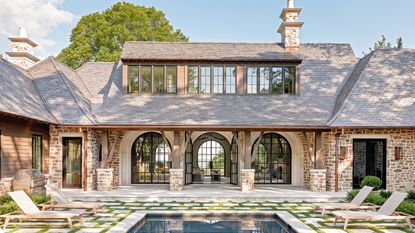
217,79
156,79
271,80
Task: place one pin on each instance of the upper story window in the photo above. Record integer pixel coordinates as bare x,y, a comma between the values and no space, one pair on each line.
157,79
211,79
271,80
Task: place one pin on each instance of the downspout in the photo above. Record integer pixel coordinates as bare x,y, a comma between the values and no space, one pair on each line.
84,161
337,152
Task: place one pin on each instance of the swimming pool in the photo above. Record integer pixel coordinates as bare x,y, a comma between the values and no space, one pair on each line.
235,223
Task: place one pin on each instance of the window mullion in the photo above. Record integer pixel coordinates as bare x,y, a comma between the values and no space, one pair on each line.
270,80
283,80
258,84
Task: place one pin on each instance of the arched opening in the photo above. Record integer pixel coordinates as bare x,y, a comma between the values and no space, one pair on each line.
150,159
211,159
272,162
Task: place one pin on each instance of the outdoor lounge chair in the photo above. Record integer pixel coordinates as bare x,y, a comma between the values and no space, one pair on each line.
355,204
385,212
60,201
31,212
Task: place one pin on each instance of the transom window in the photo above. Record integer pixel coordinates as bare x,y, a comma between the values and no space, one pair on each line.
211,79
271,80
157,79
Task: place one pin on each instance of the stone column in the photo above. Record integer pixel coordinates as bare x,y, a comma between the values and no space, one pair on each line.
176,179
318,180
247,180
105,179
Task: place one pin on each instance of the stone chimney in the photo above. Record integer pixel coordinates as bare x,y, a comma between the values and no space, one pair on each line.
22,50
290,27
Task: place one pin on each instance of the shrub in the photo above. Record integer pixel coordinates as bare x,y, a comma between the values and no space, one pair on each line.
39,199
385,194
5,199
371,181
407,207
8,207
352,194
375,199
411,195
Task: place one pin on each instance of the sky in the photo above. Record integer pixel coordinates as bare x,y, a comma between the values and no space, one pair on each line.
358,22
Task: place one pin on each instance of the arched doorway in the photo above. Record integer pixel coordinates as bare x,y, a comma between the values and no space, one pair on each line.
272,162
211,159
150,159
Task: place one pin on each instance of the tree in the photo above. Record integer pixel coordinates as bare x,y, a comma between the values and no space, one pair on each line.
101,36
384,44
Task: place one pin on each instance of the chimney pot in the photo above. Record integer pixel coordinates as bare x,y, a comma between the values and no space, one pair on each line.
22,32
290,4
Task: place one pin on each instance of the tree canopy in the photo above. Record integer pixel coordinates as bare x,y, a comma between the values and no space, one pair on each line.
100,36
383,43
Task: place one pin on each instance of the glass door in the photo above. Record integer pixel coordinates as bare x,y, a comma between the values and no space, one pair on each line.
234,162
189,163
72,162
369,159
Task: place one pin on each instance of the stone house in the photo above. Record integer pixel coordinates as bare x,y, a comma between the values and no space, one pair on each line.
303,114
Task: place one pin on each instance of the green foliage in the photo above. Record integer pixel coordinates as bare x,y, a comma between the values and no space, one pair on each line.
411,195
375,199
383,43
385,194
8,207
101,36
39,199
5,199
407,207
7,204
352,194
371,181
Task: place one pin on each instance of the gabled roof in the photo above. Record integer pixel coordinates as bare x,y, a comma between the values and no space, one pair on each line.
324,69
381,91
64,92
231,52
19,95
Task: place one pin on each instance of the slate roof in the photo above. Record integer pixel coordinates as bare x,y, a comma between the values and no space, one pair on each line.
174,51
382,93
64,92
337,90
18,94
323,70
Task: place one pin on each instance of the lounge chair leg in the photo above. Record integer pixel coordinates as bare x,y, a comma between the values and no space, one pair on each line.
323,212
408,220
335,221
6,222
70,222
346,221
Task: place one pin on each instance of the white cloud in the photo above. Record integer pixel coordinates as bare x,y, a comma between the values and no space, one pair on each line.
39,17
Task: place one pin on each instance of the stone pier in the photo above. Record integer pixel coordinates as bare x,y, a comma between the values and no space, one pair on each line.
318,180
105,179
176,179
247,180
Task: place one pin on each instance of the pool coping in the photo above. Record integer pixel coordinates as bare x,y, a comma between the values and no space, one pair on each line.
136,218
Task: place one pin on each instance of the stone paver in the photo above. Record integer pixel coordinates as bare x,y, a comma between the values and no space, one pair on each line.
332,231
28,230
90,230
361,231
58,231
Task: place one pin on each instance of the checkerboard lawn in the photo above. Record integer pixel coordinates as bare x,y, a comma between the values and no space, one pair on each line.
118,210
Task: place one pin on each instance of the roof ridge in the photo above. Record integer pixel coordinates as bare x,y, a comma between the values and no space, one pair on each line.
202,42
71,91
335,114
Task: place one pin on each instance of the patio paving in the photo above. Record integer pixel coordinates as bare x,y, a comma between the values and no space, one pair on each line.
119,210
206,192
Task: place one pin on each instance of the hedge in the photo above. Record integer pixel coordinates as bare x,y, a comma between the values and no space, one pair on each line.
7,204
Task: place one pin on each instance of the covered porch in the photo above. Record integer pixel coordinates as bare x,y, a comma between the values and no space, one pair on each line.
206,193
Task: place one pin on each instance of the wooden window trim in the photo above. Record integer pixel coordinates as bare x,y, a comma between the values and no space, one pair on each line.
41,151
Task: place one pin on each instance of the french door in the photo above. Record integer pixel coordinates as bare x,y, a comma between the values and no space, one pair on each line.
72,162
369,159
234,162
189,163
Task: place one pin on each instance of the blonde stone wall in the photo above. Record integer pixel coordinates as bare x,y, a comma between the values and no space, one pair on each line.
399,173
56,154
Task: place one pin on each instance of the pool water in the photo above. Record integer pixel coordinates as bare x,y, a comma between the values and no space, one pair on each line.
211,226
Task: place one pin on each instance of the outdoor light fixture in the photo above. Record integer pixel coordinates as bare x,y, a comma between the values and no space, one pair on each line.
398,152
343,153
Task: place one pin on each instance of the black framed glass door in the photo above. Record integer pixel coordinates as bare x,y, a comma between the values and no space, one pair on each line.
211,158
189,163
150,160
72,162
369,159
273,160
234,162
